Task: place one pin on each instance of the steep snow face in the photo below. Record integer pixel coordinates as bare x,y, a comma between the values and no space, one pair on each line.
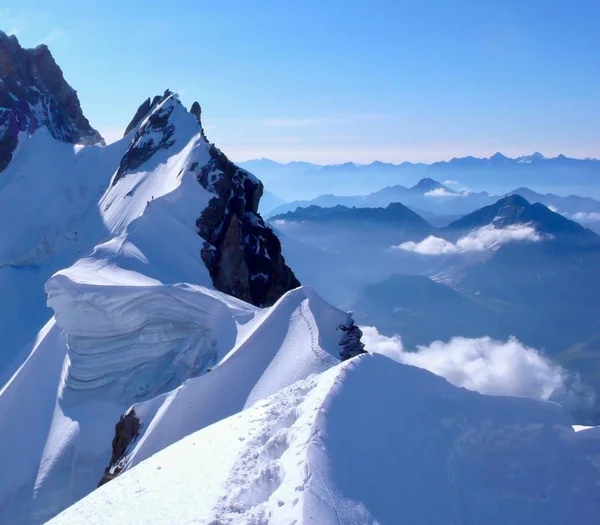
126,330
299,336
142,202
368,441
49,211
34,94
113,344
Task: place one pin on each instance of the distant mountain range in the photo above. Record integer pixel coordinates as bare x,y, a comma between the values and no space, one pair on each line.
440,204
498,173
511,268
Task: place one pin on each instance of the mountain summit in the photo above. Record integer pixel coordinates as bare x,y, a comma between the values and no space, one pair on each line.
34,93
514,209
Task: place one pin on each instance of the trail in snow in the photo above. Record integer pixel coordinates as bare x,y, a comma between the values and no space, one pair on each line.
333,449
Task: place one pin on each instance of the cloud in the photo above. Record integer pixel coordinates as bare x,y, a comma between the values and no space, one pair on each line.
582,216
442,192
483,364
450,183
489,237
430,246
479,240
53,35
16,30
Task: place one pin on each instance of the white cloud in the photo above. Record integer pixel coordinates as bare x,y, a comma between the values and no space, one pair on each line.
56,33
489,237
430,246
442,192
553,208
16,30
483,364
479,240
450,183
582,216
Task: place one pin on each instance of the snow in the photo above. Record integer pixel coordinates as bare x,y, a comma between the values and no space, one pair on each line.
119,337
126,327
295,338
367,441
247,415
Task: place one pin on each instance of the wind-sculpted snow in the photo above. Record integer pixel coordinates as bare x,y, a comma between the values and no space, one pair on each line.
300,335
125,328
135,342
121,337
368,441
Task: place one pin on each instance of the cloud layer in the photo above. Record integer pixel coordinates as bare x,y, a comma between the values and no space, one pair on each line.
479,240
442,192
484,364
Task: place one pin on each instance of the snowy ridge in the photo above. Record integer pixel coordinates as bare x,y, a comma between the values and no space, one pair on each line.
113,344
126,328
52,187
334,449
295,338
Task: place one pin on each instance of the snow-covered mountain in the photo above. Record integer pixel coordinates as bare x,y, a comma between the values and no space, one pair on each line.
150,324
120,226
367,441
34,94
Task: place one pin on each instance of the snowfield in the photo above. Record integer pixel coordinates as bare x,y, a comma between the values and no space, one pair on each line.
246,415
367,441
126,330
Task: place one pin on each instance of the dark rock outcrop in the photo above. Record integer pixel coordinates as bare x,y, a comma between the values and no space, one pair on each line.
126,431
155,134
242,254
145,109
351,341
34,93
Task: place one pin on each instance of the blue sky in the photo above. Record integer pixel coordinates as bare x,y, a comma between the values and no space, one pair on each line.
333,81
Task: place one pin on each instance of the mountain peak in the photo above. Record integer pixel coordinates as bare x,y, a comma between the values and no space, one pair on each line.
34,94
427,185
515,210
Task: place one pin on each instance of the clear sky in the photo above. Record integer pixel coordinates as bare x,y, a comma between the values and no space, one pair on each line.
338,80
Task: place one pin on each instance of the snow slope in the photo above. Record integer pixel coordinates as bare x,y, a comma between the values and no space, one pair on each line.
125,328
113,344
49,197
368,441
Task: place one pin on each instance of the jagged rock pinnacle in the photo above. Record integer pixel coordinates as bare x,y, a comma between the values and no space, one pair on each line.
33,94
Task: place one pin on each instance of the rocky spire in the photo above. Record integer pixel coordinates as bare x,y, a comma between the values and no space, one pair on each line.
144,110
34,93
241,252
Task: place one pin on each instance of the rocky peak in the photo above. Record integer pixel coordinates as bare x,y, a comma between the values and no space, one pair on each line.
33,94
242,254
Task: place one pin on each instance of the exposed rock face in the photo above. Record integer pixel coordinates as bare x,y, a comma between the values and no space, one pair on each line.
241,253
34,93
351,341
144,109
126,431
155,134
